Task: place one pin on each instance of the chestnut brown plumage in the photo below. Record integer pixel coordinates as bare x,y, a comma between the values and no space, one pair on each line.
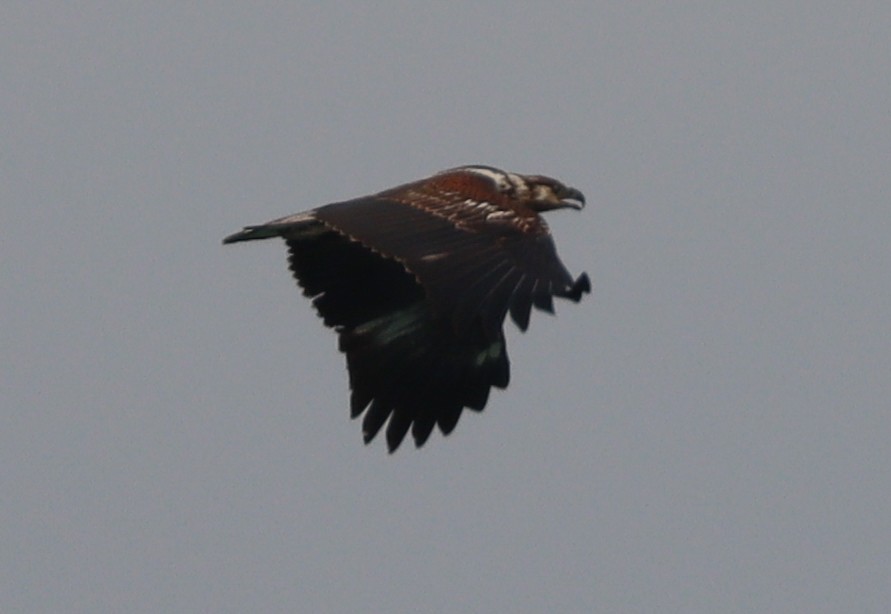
417,280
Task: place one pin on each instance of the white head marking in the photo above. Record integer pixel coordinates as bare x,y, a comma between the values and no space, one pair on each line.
506,183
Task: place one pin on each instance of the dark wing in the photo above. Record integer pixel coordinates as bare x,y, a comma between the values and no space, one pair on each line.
418,301
406,364
472,274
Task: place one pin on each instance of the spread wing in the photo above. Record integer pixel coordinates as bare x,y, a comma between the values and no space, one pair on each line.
473,273
406,364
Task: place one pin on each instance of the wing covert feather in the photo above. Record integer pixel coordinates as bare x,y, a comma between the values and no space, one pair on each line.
462,270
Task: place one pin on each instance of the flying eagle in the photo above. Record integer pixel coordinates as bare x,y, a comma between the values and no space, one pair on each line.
417,280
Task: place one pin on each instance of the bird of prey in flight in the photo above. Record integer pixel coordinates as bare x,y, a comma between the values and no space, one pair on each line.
417,281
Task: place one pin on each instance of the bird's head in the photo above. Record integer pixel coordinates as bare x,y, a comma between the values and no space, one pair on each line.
538,192
547,194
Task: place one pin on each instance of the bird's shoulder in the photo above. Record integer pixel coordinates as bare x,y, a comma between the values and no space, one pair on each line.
469,202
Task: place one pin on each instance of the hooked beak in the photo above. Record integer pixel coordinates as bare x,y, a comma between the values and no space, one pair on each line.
572,198
561,197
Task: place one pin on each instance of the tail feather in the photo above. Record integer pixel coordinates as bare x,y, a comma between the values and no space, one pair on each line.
297,224
253,233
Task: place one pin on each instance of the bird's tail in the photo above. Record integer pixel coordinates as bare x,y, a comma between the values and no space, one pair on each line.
253,233
300,223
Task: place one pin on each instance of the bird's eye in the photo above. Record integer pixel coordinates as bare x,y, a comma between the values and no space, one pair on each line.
507,186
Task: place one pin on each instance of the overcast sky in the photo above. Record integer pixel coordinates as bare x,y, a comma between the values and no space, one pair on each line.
708,431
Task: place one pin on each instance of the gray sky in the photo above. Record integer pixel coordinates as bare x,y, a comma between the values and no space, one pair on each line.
708,431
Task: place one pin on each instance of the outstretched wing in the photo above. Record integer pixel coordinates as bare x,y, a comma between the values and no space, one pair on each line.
406,363
473,273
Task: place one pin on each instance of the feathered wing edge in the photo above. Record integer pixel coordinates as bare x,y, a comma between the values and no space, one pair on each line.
416,355
407,366
474,277
470,281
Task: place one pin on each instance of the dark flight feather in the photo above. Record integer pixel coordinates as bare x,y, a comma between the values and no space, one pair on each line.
417,281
